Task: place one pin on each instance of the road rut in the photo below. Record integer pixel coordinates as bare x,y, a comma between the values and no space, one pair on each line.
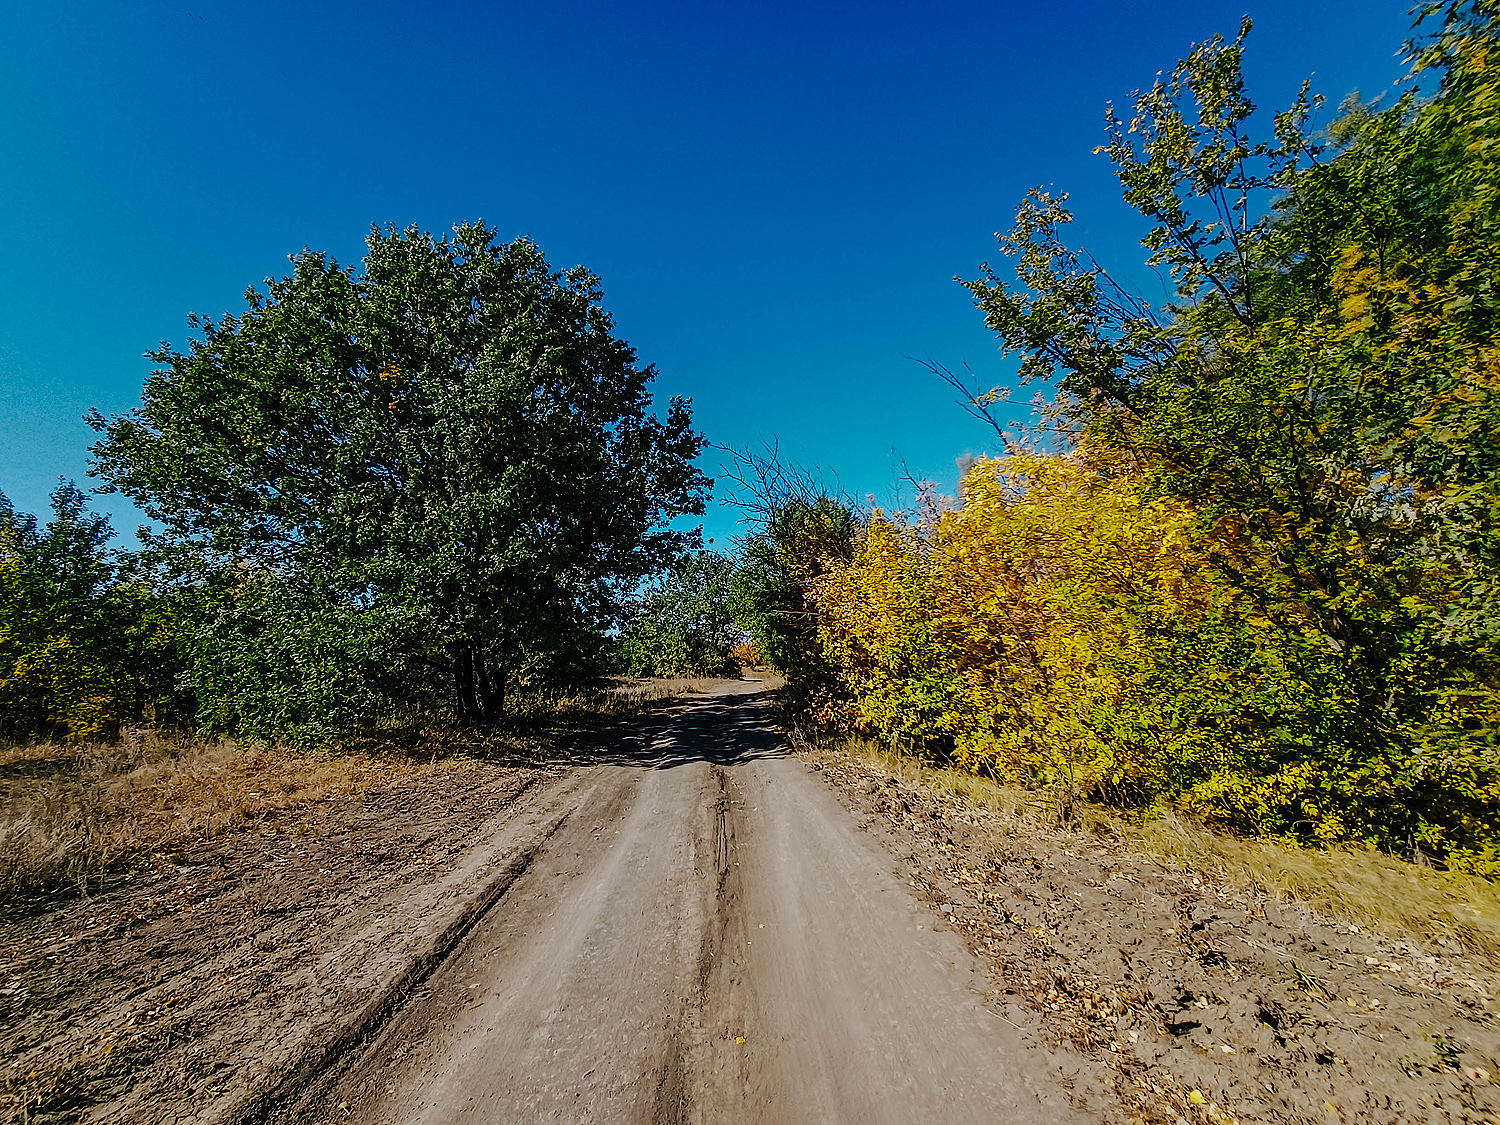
709,936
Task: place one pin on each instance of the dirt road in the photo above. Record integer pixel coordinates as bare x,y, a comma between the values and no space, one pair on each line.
678,921
706,936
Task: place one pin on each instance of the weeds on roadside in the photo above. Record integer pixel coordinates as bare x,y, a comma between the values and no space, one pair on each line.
38,1091
72,815
1449,1053
1362,886
1304,981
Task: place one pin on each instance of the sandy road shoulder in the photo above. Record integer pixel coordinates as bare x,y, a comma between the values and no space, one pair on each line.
195,994
1168,999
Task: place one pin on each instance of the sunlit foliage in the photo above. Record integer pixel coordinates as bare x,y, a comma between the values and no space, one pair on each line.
1263,582
772,595
426,477
684,626
84,645
1064,628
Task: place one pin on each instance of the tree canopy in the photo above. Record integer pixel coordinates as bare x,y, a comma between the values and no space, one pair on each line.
450,451
85,644
1324,388
684,626
1257,572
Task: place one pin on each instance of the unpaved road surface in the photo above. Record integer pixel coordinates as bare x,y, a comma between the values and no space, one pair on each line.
1166,997
706,936
679,921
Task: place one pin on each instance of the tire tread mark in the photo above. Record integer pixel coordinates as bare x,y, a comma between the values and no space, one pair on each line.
314,1059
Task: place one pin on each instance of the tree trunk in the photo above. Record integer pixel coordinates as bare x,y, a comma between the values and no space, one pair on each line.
463,683
490,679
483,684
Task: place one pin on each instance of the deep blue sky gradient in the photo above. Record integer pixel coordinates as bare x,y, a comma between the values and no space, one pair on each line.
776,196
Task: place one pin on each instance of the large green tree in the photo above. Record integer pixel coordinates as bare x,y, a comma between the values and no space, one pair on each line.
684,626
449,450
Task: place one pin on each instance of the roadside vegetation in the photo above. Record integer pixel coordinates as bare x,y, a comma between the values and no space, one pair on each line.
682,625
1425,906
79,814
1243,566
1229,605
82,812
399,512
1239,573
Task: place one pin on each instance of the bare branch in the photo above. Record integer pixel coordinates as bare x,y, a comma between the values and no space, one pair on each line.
977,402
762,482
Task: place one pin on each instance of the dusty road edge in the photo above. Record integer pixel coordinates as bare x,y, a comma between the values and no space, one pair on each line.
315,1058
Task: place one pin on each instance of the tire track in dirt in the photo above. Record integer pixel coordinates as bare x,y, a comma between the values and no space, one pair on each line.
188,991
709,937
315,1058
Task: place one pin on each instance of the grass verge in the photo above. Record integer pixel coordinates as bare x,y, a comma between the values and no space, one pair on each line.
1390,896
72,815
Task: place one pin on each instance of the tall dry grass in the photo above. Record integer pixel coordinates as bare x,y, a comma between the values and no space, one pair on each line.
648,689
1378,892
70,815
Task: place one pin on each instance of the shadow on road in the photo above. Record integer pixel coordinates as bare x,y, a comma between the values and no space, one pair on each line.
723,729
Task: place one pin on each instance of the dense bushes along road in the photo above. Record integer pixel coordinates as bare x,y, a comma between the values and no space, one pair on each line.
1249,560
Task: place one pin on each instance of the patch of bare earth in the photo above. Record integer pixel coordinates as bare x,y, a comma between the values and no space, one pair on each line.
1178,1000
181,992
245,912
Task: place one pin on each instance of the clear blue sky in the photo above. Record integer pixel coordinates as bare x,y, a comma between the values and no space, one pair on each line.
776,196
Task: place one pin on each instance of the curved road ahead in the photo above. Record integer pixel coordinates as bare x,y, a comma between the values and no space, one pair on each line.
708,936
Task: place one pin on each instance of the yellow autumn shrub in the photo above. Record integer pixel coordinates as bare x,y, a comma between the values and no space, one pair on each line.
995,634
1059,626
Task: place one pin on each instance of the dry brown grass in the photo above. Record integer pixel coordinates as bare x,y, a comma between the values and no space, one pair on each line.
71,814
1360,885
644,689
1373,890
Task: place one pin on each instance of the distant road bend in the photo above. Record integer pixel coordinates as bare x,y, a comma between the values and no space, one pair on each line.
708,936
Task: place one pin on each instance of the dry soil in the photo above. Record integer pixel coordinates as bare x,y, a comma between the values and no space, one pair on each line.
689,923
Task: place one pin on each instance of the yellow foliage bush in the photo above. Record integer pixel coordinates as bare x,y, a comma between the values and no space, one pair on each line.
990,635
1061,627
77,667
